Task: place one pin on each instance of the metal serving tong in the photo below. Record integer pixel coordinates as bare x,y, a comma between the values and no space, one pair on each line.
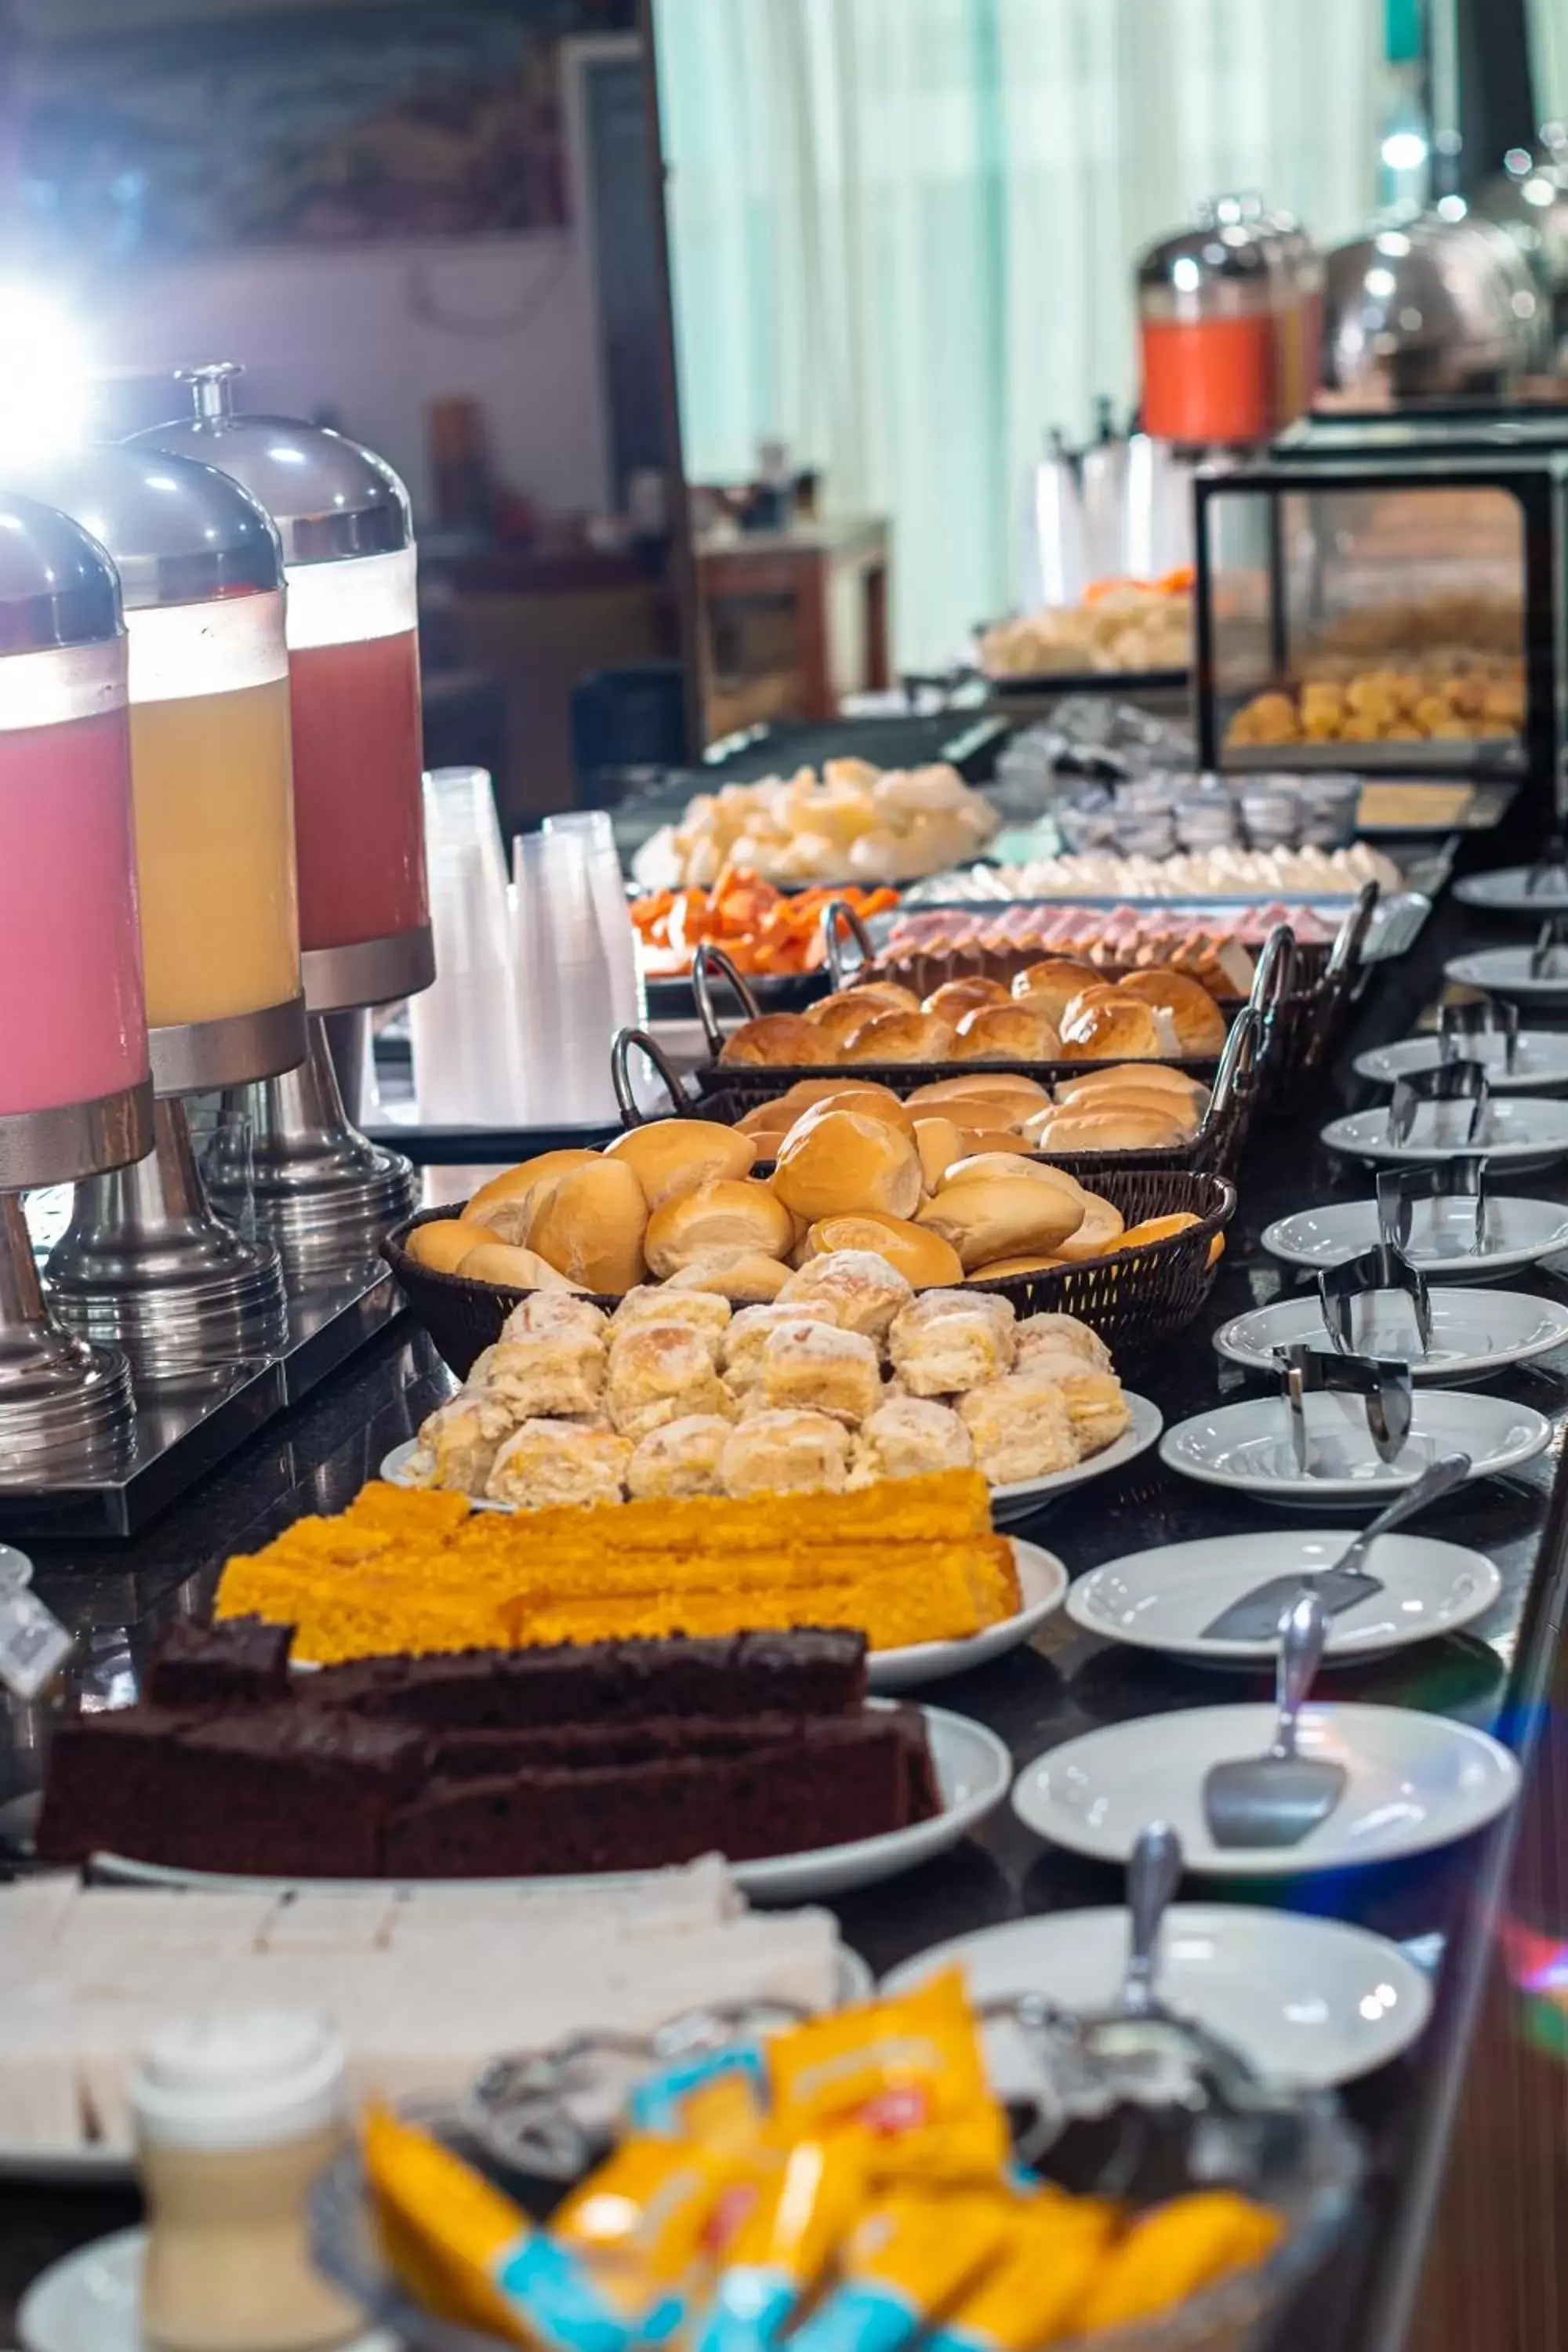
1384,1266
1463,1178
1458,1024
1455,1081
1549,871
1385,1385
1551,938
1280,1797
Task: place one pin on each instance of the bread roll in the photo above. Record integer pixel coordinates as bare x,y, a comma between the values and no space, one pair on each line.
1050,987
1179,1111
766,1124
1102,1222
1111,1130
726,1215
1147,1076
1012,1269
1196,1017
870,1101
777,1041
505,1204
1160,1229
590,1224
515,1268
994,1139
745,1277
1005,1163
954,998
444,1241
901,1037
672,1156
1001,1088
987,1217
1105,1022
848,1009
845,1161
922,1257
999,1033
892,994
938,1143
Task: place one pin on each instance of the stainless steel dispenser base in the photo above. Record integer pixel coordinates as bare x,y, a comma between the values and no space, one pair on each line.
145,1265
322,1191
66,1408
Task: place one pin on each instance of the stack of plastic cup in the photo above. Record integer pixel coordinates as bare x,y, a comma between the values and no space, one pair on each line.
464,1029
566,992
594,829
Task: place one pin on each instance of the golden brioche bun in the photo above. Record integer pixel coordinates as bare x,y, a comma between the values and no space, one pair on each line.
954,998
745,1277
846,1161
670,1156
998,1032
590,1224
444,1241
987,1217
518,1269
776,1040
922,1257
1195,1016
728,1214
938,1143
1112,1129
1101,1228
505,1203
1051,985
900,1038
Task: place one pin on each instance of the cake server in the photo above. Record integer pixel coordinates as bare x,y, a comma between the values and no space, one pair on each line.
1255,1616
1277,1799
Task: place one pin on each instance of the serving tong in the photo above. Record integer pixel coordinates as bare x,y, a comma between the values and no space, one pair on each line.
1461,1024
1549,941
1383,1381
1384,1266
1462,1178
1549,871
1452,1081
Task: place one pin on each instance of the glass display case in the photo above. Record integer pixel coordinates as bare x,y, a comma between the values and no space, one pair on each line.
1400,617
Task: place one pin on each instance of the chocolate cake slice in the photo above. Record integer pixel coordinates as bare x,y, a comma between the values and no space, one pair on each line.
109,1780
580,1746
290,1791
242,1662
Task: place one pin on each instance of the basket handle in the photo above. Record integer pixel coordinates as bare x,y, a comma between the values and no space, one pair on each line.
1274,980
1344,957
838,911
1236,1074
621,1077
706,960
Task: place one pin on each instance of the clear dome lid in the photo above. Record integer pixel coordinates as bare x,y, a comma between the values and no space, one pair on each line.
57,586
330,499
180,533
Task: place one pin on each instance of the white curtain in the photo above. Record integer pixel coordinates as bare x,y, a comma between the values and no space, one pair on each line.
903,232
1548,29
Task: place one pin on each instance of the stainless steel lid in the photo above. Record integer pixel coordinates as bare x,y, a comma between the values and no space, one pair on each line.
329,499
1227,250
180,533
57,584
1425,306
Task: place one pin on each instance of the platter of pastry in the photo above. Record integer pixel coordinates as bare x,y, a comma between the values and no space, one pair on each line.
1451,707
1121,631
855,823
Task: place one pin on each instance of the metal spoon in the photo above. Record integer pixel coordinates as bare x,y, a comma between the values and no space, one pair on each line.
1277,1799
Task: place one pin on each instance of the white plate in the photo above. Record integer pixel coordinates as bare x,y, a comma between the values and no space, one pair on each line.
1521,1233
1043,1583
973,1768
1310,2002
1540,1060
1505,971
1008,1503
1475,1333
1162,1599
1415,1781
1521,1131
1503,891
92,2302
1247,1446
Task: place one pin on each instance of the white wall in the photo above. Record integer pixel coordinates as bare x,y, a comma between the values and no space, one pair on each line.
377,331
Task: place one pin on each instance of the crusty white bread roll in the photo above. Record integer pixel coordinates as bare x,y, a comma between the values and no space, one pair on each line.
778,1041
900,1038
1051,985
939,1143
745,1277
1195,1016
517,1269
954,998
871,1101
670,1156
844,1162
590,1224
848,1009
1001,1163
1102,1222
999,1033
922,1257
1111,1130
987,1217
999,1087
506,1203
993,1139
444,1241
1147,1076
767,1122
1103,1022
724,1216
1010,1269
1183,1113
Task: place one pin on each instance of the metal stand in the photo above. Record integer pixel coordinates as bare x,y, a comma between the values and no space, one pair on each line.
146,1266
322,1191
66,1408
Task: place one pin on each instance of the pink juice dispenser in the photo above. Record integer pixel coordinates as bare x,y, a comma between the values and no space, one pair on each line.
319,1188
76,1096
146,1264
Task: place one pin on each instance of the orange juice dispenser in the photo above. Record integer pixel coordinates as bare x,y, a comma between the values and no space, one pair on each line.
319,1188
146,1263
75,1095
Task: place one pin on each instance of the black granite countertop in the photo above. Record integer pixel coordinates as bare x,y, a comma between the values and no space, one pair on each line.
1492,1674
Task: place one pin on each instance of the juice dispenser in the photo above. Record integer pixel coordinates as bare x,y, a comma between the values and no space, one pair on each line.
354,663
146,1263
75,1094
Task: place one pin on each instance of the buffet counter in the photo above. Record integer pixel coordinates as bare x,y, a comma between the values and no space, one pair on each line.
1452,2123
